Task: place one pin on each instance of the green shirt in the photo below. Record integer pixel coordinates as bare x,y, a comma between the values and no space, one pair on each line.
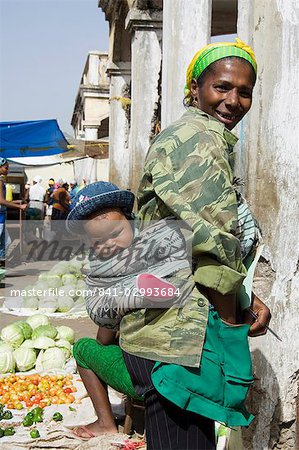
188,173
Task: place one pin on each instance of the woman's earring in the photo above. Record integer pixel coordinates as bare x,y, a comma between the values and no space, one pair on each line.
194,102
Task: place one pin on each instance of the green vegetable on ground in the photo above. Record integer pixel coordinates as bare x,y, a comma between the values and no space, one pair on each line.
25,328
66,333
7,362
25,358
45,330
57,417
7,415
34,434
37,410
12,334
37,320
37,418
9,431
27,421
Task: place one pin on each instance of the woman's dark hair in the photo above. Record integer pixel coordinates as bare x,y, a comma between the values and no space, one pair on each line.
210,70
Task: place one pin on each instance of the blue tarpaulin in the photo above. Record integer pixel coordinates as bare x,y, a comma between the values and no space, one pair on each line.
31,138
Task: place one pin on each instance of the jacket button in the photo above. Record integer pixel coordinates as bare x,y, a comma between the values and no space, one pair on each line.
201,302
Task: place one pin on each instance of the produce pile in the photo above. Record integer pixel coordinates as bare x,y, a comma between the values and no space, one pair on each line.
59,290
35,344
32,418
20,391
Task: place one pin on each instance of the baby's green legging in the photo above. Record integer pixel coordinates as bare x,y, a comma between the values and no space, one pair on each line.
107,362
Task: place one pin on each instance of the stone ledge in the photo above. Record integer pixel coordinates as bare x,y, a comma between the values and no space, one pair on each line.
139,19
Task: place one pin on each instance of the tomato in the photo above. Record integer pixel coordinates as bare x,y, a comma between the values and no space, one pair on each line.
67,390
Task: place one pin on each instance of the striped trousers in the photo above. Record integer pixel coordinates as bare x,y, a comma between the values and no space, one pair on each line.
167,426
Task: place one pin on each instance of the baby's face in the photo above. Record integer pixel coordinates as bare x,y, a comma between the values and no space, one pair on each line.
109,233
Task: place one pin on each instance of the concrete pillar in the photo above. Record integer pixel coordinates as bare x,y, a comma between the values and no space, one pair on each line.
146,64
186,28
271,154
93,70
119,157
91,133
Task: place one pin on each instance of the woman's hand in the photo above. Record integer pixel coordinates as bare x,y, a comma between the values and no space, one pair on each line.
263,313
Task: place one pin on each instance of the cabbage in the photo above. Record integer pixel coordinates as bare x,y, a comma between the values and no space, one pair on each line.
7,362
65,346
38,363
53,280
43,276
4,347
81,285
64,304
47,305
27,289
25,358
25,327
30,303
43,287
61,268
13,334
75,266
27,344
69,279
66,333
42,342
45,330
52,358
67,291
37,319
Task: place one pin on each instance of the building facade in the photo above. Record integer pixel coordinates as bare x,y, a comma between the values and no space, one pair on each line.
90,119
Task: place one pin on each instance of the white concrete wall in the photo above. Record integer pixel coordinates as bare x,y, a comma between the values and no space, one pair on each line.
119,126
91,170
271,151
145,73
186,28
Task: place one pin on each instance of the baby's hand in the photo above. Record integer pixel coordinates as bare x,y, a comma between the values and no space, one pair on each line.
263,313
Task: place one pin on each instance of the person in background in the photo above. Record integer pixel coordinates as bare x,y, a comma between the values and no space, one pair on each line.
36,197
49,191
36,210
74,189
4,236
61,205
49,199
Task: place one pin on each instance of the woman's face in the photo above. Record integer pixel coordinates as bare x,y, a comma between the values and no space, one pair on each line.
226,91
4,169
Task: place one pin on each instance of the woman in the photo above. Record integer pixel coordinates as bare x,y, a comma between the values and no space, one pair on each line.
200,377
192,364
61,205
4,236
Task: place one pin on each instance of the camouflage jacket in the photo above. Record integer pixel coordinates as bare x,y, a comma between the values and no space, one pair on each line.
188,173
